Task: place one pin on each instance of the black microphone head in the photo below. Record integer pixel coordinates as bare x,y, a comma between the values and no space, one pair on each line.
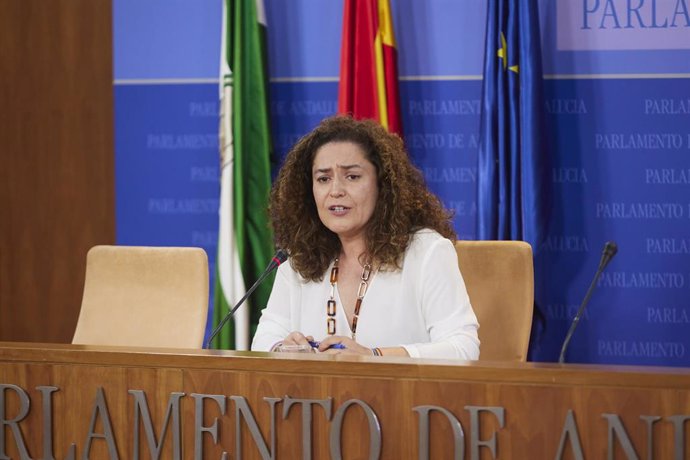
280,256
610,249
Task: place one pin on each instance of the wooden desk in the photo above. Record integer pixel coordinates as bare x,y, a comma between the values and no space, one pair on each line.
91,398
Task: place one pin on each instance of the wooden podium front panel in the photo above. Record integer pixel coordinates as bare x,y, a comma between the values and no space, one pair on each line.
72,404
523,407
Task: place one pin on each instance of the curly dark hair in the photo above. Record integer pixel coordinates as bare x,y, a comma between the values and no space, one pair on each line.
404,204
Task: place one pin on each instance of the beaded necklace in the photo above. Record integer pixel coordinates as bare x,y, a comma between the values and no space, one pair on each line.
331,303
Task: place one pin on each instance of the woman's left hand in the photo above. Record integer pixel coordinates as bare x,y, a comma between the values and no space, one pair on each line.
350,346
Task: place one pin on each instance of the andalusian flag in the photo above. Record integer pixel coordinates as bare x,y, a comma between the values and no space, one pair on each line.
369,64
244,238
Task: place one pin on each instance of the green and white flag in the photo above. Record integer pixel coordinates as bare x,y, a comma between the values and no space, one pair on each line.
244,239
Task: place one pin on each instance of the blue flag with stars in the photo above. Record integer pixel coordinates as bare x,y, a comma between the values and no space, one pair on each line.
513,168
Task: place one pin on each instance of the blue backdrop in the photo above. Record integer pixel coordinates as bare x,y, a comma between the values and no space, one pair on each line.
618,105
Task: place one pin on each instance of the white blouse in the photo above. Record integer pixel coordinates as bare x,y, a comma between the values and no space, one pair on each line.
424,307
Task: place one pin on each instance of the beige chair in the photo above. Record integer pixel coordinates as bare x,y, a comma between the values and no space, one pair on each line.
144,296
500,281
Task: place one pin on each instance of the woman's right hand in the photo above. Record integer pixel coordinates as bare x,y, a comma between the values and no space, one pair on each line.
297,338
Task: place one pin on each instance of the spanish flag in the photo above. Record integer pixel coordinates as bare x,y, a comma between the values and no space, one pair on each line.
369,64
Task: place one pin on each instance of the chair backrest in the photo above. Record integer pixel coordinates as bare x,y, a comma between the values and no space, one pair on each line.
144,296
500,282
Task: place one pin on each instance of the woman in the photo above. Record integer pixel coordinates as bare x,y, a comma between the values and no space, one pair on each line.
373,269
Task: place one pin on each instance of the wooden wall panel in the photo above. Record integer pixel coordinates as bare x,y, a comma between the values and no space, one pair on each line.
56,176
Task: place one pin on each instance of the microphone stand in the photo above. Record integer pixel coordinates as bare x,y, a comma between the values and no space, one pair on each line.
610,250
280,257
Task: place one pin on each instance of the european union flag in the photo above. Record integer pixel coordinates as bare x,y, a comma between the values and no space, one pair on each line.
513,180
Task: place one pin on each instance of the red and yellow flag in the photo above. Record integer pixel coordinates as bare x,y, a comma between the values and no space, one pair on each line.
369,64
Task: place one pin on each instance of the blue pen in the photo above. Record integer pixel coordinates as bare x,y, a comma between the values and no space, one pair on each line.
338,346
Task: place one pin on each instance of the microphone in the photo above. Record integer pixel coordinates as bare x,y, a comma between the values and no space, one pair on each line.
280,256
610,250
